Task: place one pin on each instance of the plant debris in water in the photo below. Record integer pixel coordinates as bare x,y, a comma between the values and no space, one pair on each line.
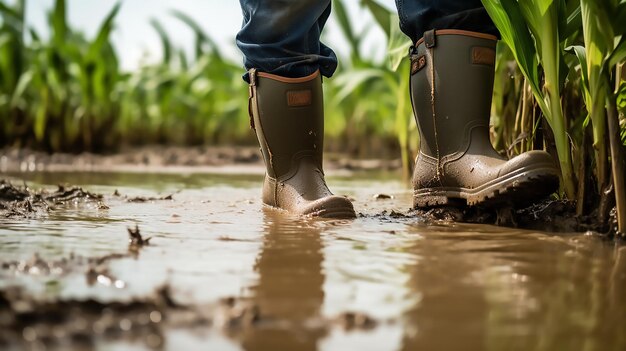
547,215
355,321
95,268
30,321
149,199
141,199
135,239
23,202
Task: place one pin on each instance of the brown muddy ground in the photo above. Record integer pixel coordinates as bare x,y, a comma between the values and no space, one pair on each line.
170,159
193,261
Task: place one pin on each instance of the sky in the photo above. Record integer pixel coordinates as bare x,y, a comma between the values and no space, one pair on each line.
136,41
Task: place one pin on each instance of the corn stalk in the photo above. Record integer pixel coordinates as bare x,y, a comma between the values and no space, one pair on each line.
605,46
531,30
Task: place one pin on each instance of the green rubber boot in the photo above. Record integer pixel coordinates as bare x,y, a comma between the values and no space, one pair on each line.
452,74
288,117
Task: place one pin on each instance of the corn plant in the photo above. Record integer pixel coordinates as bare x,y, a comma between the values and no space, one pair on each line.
62,93
506,90
605,47
68,93
374,92
531,30
183,102
12,59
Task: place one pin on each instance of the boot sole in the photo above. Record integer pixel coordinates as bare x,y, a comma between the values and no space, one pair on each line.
335,213
518,189
336,208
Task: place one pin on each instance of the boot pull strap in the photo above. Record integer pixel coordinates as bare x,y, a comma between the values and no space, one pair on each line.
429,39
417,63
251,95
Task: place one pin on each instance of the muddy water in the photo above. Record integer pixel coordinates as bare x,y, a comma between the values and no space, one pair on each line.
380,282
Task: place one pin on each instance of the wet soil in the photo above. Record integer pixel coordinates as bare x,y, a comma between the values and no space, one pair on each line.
547,214
28,320
176,159
209,267
21,201
557,216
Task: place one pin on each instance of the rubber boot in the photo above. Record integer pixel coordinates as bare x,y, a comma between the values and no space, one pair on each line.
288,117
452,74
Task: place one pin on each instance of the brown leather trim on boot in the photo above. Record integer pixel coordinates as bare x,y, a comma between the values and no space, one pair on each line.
466,33
289,80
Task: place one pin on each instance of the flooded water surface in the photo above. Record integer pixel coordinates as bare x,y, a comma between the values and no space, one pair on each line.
237,276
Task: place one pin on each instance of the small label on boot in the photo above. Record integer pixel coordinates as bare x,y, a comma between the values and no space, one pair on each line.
298,98
483,56
417,63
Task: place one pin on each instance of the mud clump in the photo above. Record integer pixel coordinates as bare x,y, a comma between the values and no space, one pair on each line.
555,215
546,215
136,240
355,321
95,268
28,321
234,314
382,197
23,202
31,321
71,193
38,266
389,215
20,202
141,199
101,275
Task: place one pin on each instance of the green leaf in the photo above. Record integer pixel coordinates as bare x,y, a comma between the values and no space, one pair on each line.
41,116
34,35
507,17
621,98
398,44
13,18
59,23
542,5
23,83
201,37
182,60
349,82
619,18
102,38
165,40
9,12
581,55
381,15
573,23
344,25
619,53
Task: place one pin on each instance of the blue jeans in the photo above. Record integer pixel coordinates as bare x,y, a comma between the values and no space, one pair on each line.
283,36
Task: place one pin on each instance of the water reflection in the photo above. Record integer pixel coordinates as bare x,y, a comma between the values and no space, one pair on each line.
448,304
483,289
430,287
289,289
